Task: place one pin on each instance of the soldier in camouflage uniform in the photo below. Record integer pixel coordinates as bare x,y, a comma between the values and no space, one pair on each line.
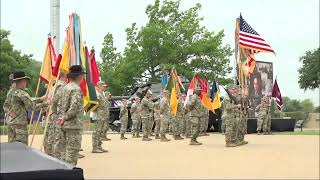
123,119
16,108
195,115
268,123
204,120
146,108
56,135
70,114
262,110
242,116
157,120
7,103
184,123
136,118
187,118
53,133
177,121
164,115
230,109
101,112
107,118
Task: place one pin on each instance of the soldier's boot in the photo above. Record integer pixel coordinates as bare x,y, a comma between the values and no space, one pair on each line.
80,156
157,136
103,150
231,144
96,150
222,132
259,133
145,138
151,134
164,138
122,137
244,142
137,135
178,137
205,134
269,133
105,139
194,142
265,133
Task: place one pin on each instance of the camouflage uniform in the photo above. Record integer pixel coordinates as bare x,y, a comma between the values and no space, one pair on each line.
230,120
71,110
57,149
267,121
157,119
19,102
204,120
106,118
124,119
177,121
136,119
262,110
195,115
7,102
164,115
100,115
242,121
53,133
146,107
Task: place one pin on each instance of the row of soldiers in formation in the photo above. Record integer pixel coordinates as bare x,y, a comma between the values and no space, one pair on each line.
64,127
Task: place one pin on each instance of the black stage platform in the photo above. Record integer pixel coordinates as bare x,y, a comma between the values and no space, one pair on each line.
277,124
20,162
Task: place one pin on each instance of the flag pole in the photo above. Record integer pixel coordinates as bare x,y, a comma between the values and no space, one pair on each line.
38,120
50,111
32,114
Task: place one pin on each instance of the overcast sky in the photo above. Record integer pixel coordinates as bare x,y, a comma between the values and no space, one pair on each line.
291,27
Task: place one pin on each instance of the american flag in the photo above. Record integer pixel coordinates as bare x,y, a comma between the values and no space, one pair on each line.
250,39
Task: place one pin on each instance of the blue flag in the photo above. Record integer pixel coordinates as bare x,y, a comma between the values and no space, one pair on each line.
164,80
214,90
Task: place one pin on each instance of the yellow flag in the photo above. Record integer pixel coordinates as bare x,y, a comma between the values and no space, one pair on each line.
206,102
216,101
46,68
64,65
174,101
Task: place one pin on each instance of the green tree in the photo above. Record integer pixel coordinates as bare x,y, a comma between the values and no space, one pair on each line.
309,77
307,105
12,60
171,38
317,109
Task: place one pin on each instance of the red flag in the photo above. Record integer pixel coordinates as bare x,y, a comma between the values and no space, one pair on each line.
95,74
276,95
56,67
